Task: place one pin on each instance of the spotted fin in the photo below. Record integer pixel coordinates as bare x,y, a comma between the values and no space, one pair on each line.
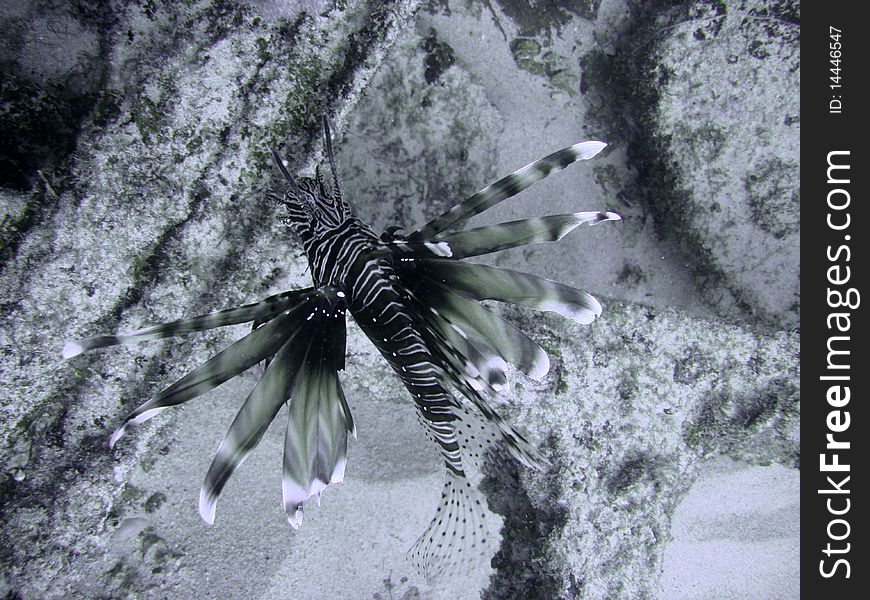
515,443
258,312
506,187
494,238
458,539
482,282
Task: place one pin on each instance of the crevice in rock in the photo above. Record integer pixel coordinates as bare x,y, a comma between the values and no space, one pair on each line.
522,568
624,88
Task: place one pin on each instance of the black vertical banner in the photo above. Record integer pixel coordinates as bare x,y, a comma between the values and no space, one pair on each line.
834,338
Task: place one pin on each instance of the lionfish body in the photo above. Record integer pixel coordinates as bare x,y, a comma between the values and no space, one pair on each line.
420,306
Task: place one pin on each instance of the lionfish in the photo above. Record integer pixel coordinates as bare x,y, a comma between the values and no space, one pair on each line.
420,305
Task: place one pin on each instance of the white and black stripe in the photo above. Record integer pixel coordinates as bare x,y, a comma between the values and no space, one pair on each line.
419,305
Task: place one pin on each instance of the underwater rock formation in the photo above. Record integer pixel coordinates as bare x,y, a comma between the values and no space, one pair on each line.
159,212
160,208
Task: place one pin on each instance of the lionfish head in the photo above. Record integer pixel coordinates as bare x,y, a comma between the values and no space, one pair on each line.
313,205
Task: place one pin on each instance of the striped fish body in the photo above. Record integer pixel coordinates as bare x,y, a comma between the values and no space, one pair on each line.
386,312
389,314
419,304
347,257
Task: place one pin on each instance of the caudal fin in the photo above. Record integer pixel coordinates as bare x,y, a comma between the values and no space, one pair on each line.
458,539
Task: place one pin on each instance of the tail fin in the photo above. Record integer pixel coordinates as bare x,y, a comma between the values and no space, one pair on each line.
457,539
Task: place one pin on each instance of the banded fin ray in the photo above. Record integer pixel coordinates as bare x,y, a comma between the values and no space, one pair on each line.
247,429
510,343
282,376
506,187
494,238
315,444
482,282
258,345
479,360
259,312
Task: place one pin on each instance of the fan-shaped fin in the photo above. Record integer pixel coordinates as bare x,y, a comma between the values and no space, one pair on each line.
506,187
458,539
260,312
494,238
315,446
479,360
258,345
482,282
252,420
480,322
305,368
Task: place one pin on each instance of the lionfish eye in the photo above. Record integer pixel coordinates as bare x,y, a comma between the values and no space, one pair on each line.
326,193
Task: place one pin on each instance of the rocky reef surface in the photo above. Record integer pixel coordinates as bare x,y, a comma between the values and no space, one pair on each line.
134,192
